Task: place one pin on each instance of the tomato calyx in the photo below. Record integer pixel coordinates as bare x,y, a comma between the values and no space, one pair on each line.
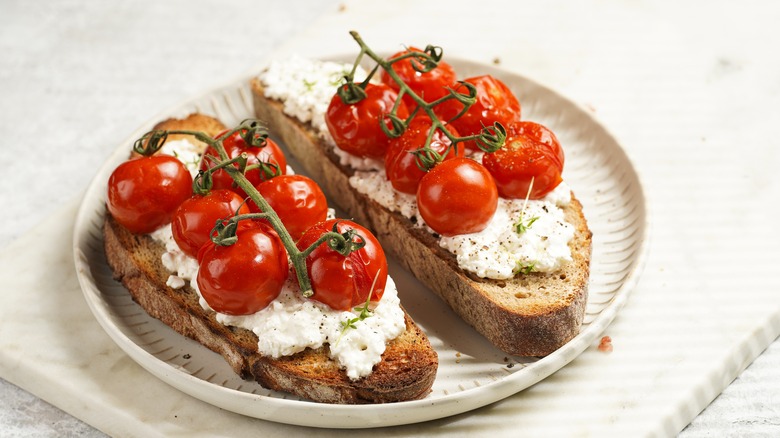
352,93
225,232
421,61
150,143
468,98
491,138
344,243
255,136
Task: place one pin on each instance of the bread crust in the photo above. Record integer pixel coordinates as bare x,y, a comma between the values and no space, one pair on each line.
530,315
406,372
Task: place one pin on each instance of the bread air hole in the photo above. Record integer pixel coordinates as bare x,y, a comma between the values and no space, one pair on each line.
522,294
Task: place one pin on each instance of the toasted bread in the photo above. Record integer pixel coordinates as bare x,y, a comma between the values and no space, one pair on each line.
530,315
407,369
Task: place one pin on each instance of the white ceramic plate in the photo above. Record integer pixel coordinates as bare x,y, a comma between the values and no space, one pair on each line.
471,372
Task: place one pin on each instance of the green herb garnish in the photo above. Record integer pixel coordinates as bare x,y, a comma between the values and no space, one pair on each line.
365,312
309,84
525,269
523,225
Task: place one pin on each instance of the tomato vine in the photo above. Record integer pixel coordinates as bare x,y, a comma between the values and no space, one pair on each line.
489,139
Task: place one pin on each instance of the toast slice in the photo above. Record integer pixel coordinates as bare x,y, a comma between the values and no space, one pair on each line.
530,315
406,372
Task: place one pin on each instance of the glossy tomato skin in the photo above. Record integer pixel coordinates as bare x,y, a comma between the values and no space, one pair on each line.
537,132
430,86
401,164
297,200
245,277
532,153
495,103
343,283
144,192
196,217
457,196
234,146
356,128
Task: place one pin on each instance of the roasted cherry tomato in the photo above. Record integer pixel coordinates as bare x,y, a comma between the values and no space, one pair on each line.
532,154
458,196
235,146
401,164
430,86
144,192
245,277
538,133
195,218
495,103
345,282
296,199
356,128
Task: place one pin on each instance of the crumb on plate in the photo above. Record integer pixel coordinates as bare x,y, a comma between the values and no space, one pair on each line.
605,345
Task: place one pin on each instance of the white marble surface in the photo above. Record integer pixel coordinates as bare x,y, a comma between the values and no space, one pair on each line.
77,76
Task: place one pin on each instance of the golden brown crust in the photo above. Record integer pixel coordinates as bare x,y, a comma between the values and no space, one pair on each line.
531,315
194,122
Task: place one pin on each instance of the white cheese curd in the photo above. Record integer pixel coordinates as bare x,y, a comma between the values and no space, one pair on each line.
355,162
379,188
183,266
306,87
292,323
186,152
499,251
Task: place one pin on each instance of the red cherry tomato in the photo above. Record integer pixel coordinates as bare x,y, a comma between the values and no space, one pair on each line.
245,277
195,218
430,86
495,103
344,282
458,196
401,164
356,128
144,192
235,146
296,199
524,158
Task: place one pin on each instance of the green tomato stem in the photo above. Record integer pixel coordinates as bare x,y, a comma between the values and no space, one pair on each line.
488,142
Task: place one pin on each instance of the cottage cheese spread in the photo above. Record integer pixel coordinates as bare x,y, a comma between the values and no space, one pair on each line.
291,323
306,87
497,252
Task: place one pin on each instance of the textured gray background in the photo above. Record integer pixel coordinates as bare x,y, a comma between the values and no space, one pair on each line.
76,76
